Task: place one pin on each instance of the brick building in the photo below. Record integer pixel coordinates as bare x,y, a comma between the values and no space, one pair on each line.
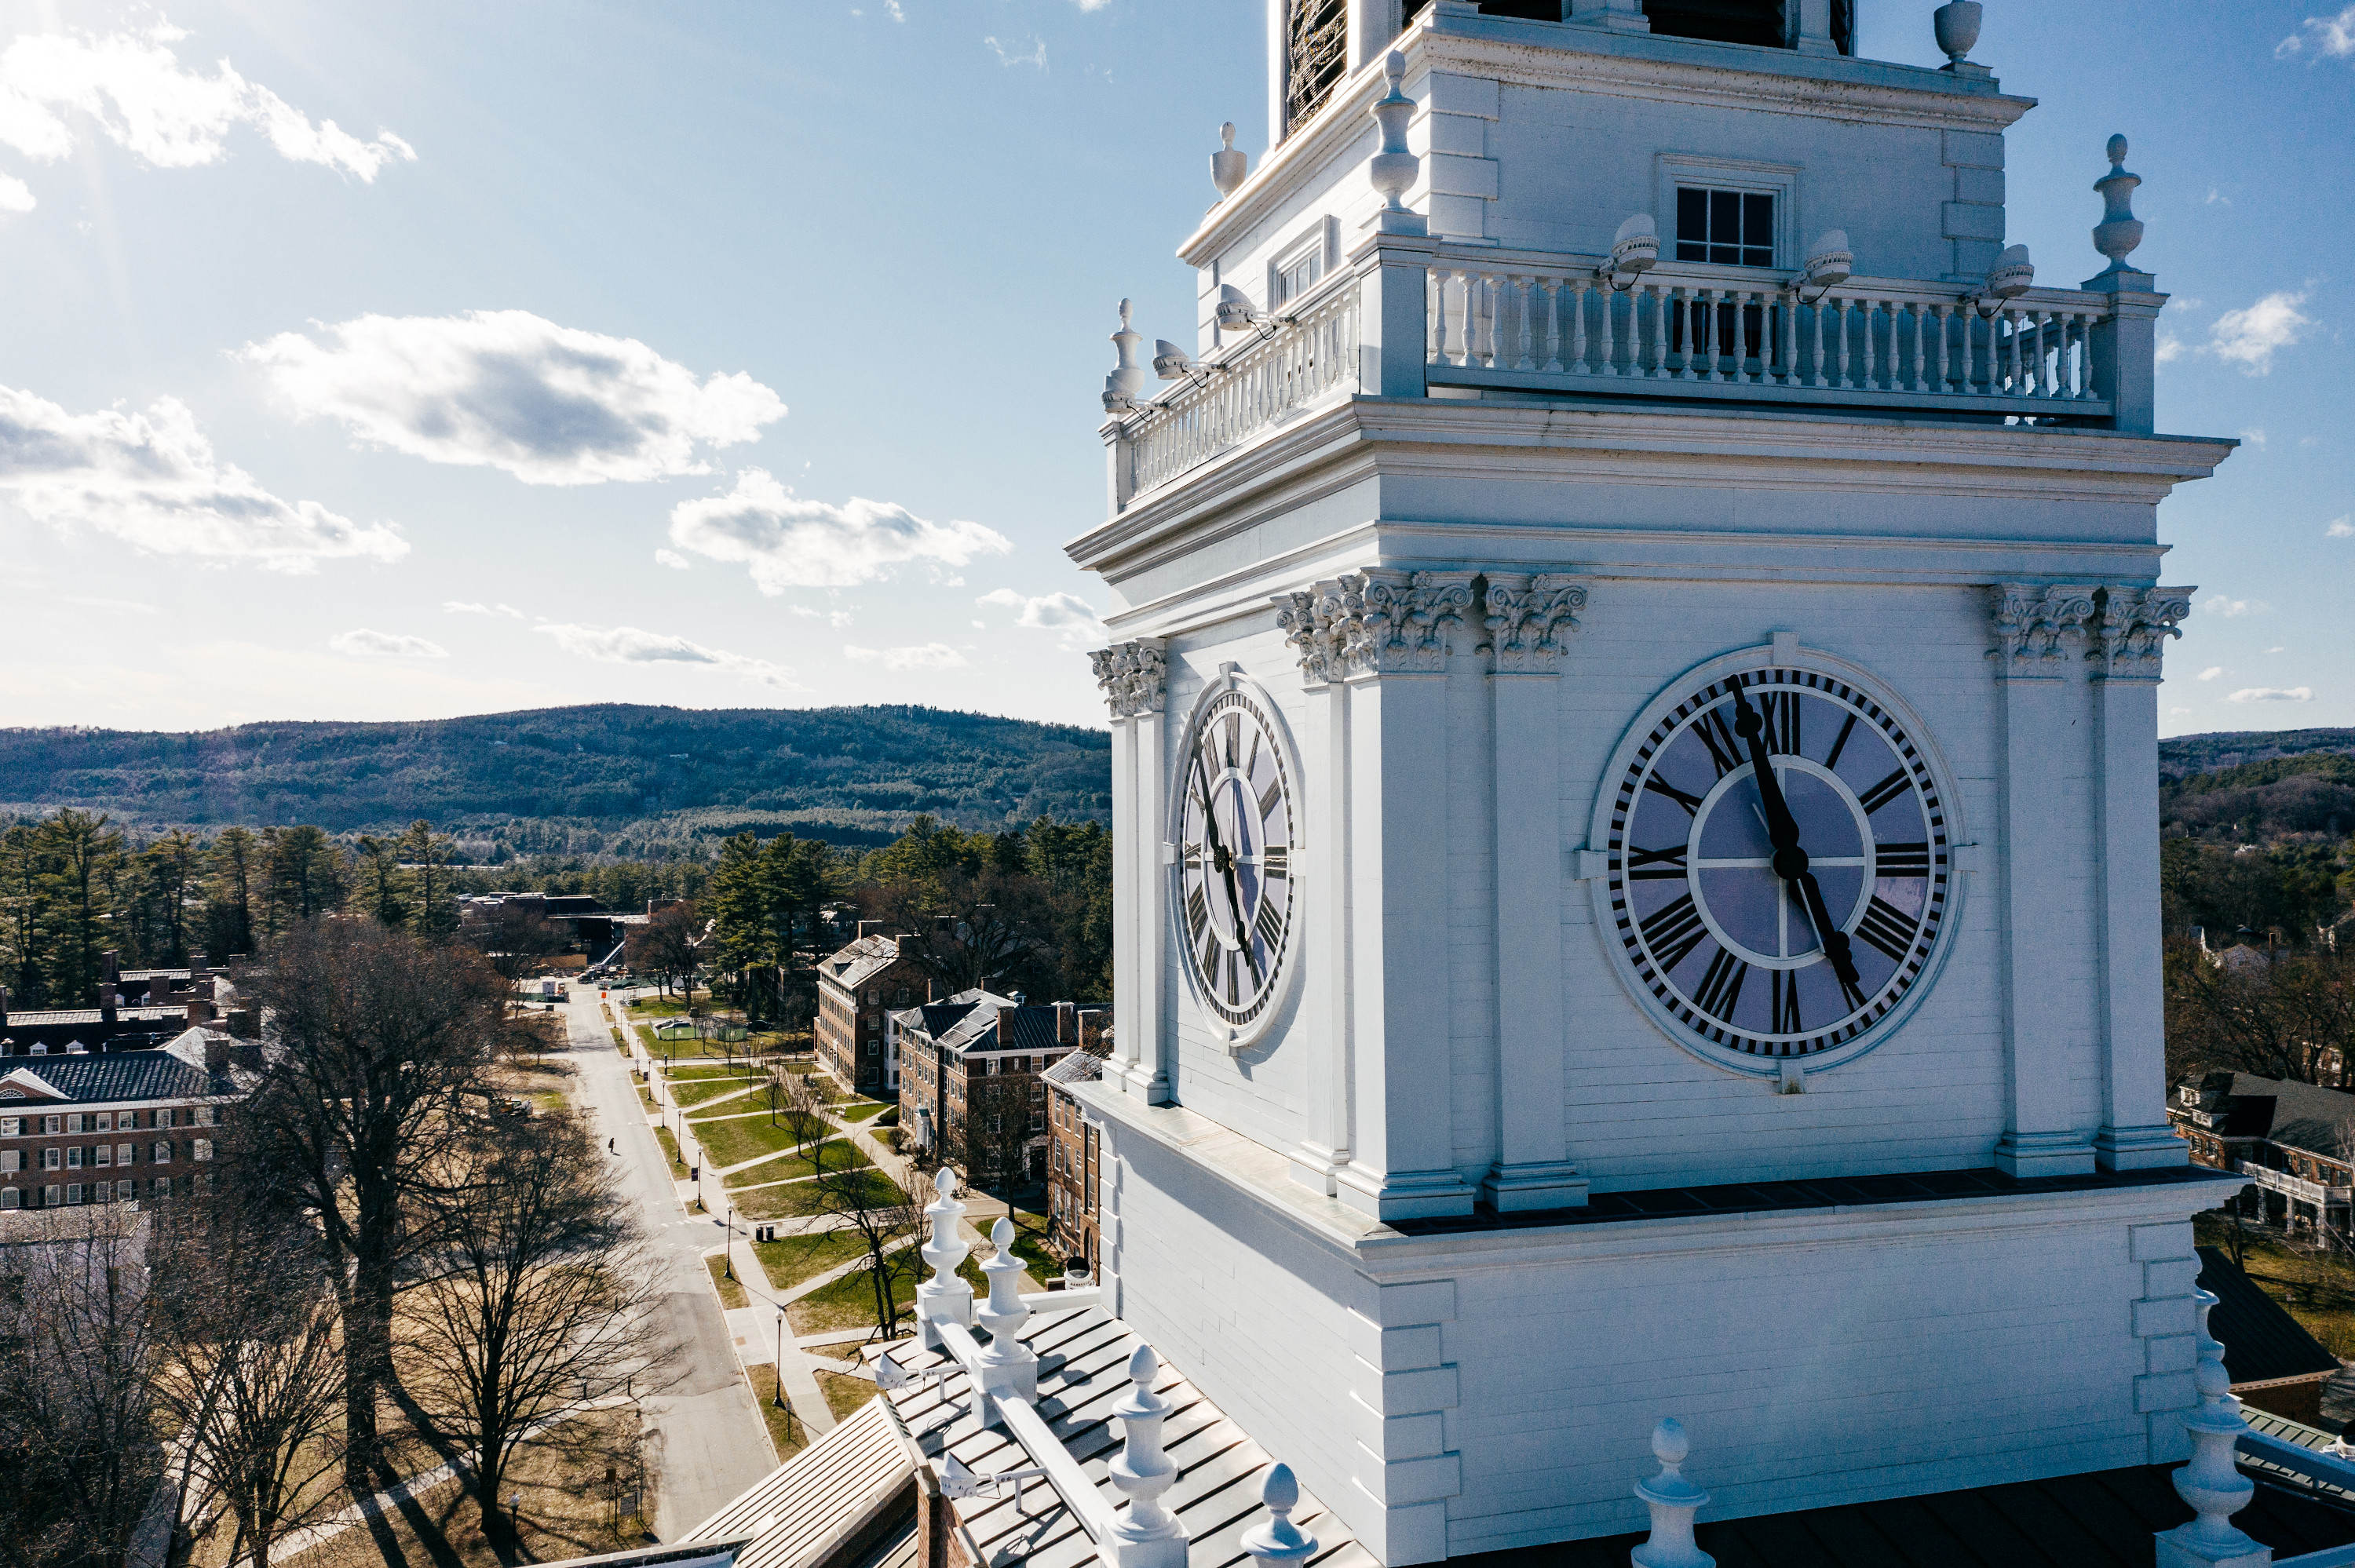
855,987
98,1129
972,1080
1075,1159
130,1010
2284,1136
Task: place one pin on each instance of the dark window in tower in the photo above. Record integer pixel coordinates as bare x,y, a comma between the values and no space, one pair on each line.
1734,229
1316,53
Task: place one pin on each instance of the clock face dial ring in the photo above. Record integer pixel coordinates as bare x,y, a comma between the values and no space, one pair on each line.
1707,919
1236,873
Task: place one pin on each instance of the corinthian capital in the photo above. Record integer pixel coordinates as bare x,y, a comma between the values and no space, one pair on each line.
1406,619
1530,619
2132,630
1132,675
2034,624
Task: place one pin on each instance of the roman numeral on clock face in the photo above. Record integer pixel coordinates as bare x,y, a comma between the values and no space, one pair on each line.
1270,798
1786,1001
1270,923
1880,794
1657,865
1780,710
1660,786
1721,986
1726,750
1198,911
1902,860
1276,863
1672,932
1887,927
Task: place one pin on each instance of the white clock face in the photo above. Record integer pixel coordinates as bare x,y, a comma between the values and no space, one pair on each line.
1778,864
1236,870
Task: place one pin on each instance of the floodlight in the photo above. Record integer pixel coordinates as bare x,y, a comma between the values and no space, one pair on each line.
1634,251
1829,264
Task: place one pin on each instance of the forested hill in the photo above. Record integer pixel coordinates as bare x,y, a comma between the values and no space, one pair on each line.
866,770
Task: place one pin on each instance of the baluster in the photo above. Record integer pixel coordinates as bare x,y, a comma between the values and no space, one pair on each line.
1740,305
1842,378
1492,303
1603,297
1816,364
1464,321
1436,335
1660,297
2018,373
1971,382
1921,346
1685,331
1552,290
1577,366
1869,383
2086,355
1521,285
1946,318
1708,299
2064,383
2052,368
1791,339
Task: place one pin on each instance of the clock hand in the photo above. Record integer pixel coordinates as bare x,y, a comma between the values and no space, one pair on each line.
1226,864
1790,860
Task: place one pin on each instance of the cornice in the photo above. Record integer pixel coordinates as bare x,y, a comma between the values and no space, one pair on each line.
1548,54
1747,449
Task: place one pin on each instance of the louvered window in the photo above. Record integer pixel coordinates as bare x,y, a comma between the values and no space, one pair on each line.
1316,53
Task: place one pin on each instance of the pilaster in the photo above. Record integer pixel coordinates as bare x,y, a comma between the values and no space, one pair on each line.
1134,680
1528,621
2038,630
2131,629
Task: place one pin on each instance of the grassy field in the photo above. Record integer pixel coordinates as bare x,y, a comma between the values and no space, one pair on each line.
670,1146
657,1007
844,1394
789,1262
741,1132
731,1291
860,1112
694,1092
839,1156
701,1073
848,1303
2318,1289
796,1199
788,1432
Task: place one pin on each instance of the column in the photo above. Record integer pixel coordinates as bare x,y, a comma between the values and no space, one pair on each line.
1397,644
1311,622
1528,622
1393,312
2132,628
1133,676
2038,628
1373,24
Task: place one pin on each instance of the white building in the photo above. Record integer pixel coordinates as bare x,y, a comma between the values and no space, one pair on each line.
1483,1091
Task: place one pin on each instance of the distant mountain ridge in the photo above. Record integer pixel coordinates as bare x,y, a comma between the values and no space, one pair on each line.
854,775
2189,754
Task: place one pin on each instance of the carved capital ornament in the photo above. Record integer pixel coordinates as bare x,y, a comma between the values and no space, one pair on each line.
1134,677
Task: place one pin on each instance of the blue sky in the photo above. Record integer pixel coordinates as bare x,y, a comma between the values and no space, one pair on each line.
435,358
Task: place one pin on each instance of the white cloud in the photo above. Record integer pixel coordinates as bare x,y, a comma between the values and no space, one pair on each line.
2217,197
628,645
785,542
458,607
2325,35
1092,4
134,89
1036,56
2169,349
2271,694
930,656
2224,605
2341,528
1063,612
2277,649
153,481
2254,435
120,606
891,9
672,559
2248,336
551,404
2211,672
391,644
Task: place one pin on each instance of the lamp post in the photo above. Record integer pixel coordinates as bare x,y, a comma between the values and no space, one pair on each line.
727,1223
781,1361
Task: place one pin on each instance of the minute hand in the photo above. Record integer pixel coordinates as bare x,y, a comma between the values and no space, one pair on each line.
1782,831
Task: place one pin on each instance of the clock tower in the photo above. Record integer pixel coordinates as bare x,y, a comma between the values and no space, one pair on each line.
1634,735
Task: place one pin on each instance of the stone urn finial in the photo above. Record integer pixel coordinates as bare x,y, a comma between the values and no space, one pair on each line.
1958,27
2119,231
1229,165
1392,169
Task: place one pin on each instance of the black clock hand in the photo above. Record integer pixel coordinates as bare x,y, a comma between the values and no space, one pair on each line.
1790,860
1226,864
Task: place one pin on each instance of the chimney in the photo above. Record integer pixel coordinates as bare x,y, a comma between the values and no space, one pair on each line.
199,1010
3,1007
1067,1023
196,964
113,965
159,991
215,1052
867,927
106,1013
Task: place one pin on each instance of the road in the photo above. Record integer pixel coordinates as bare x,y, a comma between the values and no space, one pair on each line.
710,1444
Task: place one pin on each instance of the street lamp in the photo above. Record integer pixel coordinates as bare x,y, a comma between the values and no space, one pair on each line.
727,1223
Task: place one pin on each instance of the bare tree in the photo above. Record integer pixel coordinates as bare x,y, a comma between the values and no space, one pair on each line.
77,1382
670,944
862,1198
539,1295
252,1370
383,1039
517,937
804,1110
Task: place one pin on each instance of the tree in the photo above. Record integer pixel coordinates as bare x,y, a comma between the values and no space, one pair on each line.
80,856
517,937
381,888
434,915
803,1108
306,876
252,1374
862,1198
168,870
80,1451
381,1039
670,944
20,908
2287,1016
539,1293
233,870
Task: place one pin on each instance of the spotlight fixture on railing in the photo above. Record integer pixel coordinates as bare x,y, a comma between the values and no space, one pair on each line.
2012,275
959,1479
1172,363
1829,264
1634,251
1236,314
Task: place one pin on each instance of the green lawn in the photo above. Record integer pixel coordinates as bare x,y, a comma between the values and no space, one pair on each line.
696,1091
797,1199
2318,1290
737,1132
731,1291
861,1112
670,1146
845,1394
657,1007
787,1167
796,1258
764,1389
848,1303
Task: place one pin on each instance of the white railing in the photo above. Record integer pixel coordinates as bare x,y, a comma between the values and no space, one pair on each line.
2295,1186
1294,361
1699,330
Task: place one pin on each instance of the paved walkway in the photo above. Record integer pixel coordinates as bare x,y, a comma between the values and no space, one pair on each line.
710,1444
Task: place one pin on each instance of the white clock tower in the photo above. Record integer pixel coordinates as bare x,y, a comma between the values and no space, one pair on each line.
1635,777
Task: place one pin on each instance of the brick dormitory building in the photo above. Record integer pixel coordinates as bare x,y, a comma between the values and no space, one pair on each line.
972,1080
855,987
130,1009
97,1127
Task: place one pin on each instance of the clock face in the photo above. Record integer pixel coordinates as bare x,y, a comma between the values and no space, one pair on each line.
1718,885
1235,871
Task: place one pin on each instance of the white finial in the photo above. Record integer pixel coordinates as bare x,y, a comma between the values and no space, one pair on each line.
1674,1501
1008,1365
2210,1483
1145,1534
1392,169
2119,231
946,1182
1120,388
1279,1541
1227,165
943,1298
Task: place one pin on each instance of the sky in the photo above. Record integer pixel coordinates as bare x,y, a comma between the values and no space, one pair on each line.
400,362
